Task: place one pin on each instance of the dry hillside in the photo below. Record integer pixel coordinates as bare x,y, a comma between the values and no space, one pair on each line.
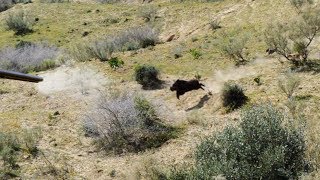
57,107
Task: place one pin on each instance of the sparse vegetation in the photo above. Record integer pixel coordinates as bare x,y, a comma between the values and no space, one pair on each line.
19,22
233,45
148,13
292,40
261,148
289,84
147,76
11,147
29,57
233,96
6,4
127,124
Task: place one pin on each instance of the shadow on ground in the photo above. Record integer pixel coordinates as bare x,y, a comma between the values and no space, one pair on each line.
201,103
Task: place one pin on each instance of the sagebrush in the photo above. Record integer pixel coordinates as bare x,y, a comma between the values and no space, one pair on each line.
263,147
28,57
20,22
127,124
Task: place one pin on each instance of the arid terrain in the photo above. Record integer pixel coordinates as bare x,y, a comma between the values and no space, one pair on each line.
71,90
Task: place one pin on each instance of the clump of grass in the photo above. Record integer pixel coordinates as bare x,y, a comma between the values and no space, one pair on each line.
177,52
214,25
115,63
127,124
196,54
19,22
147,76
233,96
29,57
263,147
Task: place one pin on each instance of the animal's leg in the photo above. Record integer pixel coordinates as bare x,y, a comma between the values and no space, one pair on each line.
201,86
178,95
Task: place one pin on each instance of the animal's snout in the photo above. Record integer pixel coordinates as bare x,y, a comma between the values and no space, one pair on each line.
172,88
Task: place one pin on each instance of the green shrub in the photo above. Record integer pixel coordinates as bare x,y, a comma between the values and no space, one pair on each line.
127,124
263,147
147,76
195,53
19,22
115,63
233,96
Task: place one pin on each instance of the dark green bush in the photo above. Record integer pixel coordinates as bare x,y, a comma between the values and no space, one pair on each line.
115,63
233,96
263,147
147,76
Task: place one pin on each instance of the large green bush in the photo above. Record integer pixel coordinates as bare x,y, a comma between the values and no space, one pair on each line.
263,147
147,76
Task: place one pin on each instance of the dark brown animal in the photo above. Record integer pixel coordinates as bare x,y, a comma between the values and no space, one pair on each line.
182,86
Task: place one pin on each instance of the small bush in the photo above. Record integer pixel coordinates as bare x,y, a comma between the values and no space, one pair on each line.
263,147
29,57
196,54
147,76
30,139
9,145
19,22
215,24
5,4
148,13
115,63
136,38
127,124
233,96
233,46
177,52
289,84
